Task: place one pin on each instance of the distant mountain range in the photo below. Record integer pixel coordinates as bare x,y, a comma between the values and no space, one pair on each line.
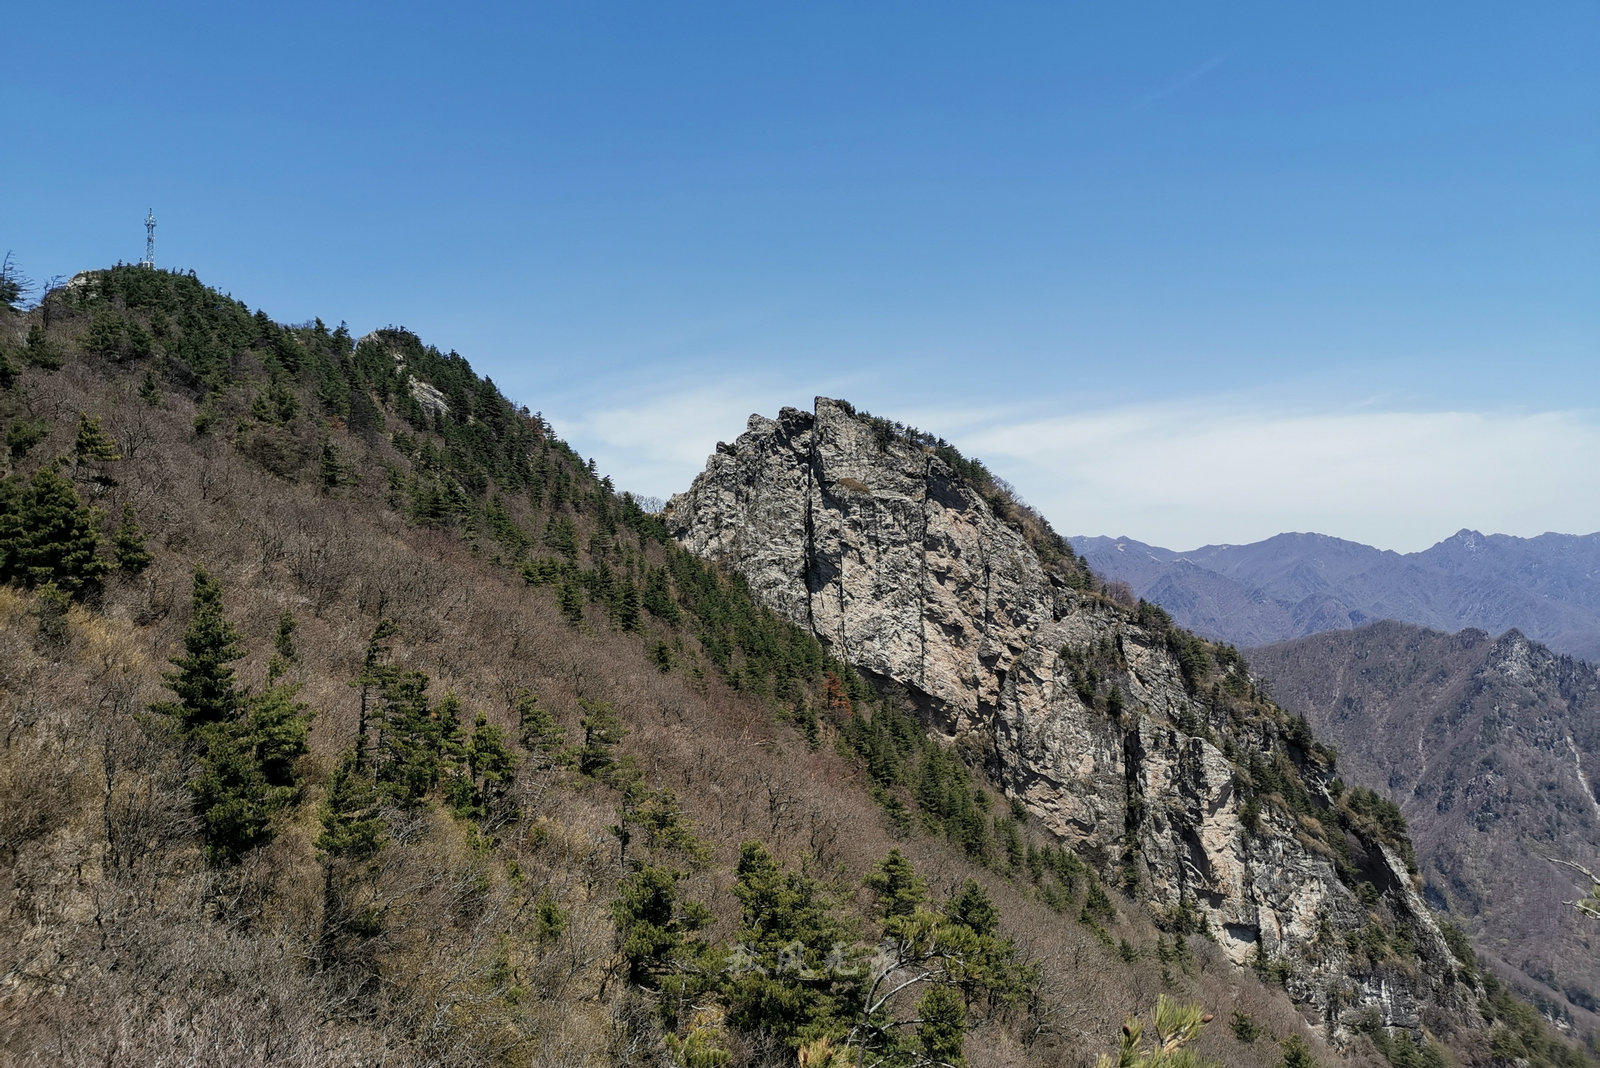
1292,585
1489,746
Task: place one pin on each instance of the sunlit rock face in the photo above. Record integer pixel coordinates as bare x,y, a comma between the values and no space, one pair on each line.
903,570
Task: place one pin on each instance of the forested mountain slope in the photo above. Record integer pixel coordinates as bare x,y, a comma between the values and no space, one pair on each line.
1296,584
1490,746
351,718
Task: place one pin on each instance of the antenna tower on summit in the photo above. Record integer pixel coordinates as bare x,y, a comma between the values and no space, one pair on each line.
149,240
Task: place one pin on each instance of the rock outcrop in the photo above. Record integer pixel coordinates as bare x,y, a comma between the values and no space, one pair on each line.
901,567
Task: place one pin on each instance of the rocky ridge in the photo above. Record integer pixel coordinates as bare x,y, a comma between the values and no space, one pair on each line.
1089,713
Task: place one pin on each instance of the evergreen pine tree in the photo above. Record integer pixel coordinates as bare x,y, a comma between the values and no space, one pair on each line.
654,926
128,542
92,451
537,730
410,760
284,653
41,351
460,792
601,730
22,435
492,764
232,796
1297,1053
561,535
278,728
658,600
942,1026
375,674
107,335
93,445
14,285
244,748
989,972
549,920
352,827
330,470
666,829
452,739
203,680
51,608
570,600
1175,1027
625,605
11,529
901,891
1006,831
790,941
47,534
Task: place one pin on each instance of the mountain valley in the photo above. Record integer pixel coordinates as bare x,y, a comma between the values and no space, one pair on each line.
1488,745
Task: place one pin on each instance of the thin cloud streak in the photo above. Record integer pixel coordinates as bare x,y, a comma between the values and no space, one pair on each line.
1183,81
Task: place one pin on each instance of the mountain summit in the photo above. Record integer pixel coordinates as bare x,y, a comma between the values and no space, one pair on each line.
1146,747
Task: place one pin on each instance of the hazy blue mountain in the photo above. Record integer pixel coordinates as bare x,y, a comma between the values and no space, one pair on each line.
1292,585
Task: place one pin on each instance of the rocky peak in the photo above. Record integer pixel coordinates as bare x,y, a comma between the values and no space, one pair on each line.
1092,715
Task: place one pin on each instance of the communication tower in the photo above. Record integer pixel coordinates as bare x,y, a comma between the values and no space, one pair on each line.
149,240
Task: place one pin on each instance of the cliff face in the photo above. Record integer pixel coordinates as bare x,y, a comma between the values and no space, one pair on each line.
904,570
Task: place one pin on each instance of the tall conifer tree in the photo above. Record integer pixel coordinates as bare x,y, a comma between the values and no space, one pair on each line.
244,747
128,541
203,679
47,534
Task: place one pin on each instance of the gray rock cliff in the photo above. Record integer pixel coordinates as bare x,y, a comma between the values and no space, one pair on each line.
874,542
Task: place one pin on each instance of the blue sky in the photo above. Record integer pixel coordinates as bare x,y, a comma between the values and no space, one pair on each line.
1190,273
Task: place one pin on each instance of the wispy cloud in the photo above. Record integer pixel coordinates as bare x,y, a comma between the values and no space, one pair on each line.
656,444
1224,470
1181,82
1181,474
